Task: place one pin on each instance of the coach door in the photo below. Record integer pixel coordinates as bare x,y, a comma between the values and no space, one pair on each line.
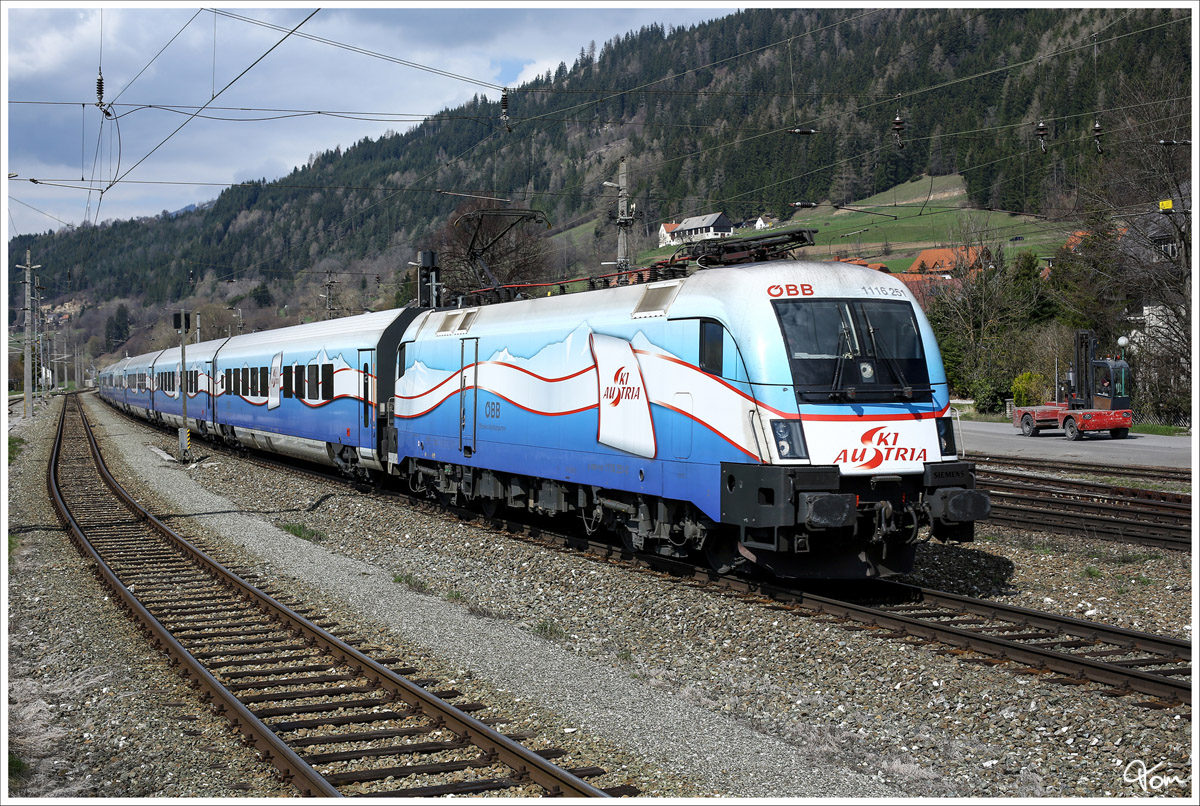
468,394
366,391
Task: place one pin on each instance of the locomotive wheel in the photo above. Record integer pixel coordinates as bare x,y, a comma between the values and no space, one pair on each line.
1073,432
490,506
719,553
1027,427
1119,433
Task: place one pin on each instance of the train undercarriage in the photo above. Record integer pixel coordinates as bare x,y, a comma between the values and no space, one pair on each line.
870,528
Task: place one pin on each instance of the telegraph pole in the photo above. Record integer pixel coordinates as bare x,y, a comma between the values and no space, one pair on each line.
28,267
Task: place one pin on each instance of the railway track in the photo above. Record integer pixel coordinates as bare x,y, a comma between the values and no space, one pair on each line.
1090,509
1157,475
332,720
1127,661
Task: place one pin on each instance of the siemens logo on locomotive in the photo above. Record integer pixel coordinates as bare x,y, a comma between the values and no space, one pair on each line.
803,431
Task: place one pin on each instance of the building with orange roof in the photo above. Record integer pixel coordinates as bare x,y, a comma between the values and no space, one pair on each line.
950,258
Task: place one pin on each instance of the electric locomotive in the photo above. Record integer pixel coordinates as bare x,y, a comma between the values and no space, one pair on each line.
789,416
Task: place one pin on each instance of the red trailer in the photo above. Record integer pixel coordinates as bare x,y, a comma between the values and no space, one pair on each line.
1096,400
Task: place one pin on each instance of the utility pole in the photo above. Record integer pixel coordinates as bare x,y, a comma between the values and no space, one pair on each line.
28,267
182,322
40,325
329,283
624,219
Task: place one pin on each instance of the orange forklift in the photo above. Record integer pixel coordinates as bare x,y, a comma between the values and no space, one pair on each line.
1094,397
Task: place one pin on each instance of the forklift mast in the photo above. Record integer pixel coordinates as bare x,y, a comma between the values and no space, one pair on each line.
1085,353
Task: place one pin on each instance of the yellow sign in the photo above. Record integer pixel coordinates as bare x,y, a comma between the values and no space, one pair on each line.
1166,205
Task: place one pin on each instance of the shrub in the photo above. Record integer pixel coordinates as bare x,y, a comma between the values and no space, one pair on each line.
1029,389
989,396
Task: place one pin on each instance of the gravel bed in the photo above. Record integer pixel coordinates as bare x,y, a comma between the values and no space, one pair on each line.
771,703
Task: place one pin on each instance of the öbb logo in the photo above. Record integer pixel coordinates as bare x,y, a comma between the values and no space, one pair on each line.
621,389
881,446
790,290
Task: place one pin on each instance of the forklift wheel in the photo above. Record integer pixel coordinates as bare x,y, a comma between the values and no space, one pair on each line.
1073,432
1027,427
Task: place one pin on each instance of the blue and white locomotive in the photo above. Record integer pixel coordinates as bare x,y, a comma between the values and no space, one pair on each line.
787,415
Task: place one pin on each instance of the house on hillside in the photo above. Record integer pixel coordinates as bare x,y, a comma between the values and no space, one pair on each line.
700,228
925,287
666,235
948,259
857,261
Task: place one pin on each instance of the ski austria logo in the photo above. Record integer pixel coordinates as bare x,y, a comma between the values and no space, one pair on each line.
881,446
621,389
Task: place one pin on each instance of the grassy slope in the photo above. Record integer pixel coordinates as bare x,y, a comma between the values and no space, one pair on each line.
926,214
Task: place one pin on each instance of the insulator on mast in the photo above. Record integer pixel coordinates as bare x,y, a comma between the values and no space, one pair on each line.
1040,131
1097,130
897,130
100,89
504,109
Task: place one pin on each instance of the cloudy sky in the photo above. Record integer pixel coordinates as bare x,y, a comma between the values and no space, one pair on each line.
179,56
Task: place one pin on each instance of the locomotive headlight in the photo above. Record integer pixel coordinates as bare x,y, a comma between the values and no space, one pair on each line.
789,439
866,371
945,429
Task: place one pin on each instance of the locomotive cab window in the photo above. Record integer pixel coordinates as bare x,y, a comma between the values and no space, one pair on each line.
854,349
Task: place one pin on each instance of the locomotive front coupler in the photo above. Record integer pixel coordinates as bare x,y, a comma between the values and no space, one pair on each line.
884,523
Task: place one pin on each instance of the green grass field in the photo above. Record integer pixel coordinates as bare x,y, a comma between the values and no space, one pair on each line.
901,222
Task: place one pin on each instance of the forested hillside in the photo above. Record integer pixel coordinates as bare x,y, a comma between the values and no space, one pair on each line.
702,117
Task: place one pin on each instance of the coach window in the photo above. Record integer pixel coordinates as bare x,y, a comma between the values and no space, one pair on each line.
287,380
327,381
298,380
228,382
712,337
264,381
253,381
314,376
246,381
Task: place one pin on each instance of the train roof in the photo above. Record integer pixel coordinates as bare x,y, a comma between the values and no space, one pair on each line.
733,294
367,327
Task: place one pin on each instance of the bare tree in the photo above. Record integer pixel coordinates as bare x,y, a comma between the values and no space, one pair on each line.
978,311
503,242
1131,273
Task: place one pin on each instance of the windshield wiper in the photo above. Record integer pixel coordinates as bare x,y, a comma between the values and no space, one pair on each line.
905,390
835,389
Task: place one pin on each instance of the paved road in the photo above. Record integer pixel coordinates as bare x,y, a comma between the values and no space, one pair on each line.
1138,449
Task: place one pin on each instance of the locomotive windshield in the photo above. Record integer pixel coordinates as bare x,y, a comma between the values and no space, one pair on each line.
854,349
